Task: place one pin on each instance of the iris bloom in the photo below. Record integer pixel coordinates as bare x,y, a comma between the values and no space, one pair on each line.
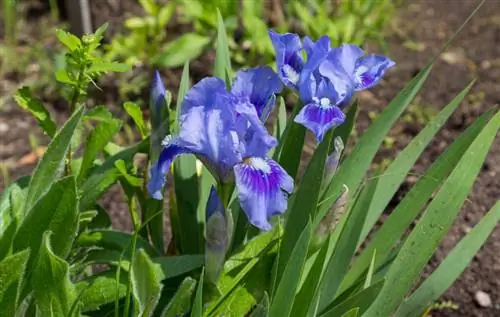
329,78
224,130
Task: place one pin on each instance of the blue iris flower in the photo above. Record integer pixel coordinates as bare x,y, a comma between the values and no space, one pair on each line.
328,79
224,130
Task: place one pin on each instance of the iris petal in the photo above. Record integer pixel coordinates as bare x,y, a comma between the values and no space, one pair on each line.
369,70
289,60
319,117
257,85
158,171
262,186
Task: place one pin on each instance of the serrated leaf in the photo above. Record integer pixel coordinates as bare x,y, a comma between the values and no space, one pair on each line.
11,276
101,289
53,291
399,168
361,300
197,309
222,67
180,304
134,111
63,77
26,101
68,39
49,167
95,186
98,113
398,221
146,282
183,49
177,265
113,240
284,295
452,266
10,202
56,212
106,67
131,179
435,222
98,138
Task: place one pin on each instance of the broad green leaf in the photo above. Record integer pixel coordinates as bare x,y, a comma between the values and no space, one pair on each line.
165,14
180,304
150,7
197,309
100,289
132,180
288,152
346,245
177,265
63,77
146,282
108,257
11,202
398,221
303,207
101,220
25,100
98,138
452,266
98,113
113,240
68,39
186,184
435,222
361,300
56,212
183,49
134,111
11,276
53,291
222,67
354,167
49,167
395,174
262,308
284,295
106,67
95,186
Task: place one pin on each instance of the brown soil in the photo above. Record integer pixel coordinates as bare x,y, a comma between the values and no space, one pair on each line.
418,32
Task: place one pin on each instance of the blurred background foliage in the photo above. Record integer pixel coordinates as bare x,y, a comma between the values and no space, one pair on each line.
165,34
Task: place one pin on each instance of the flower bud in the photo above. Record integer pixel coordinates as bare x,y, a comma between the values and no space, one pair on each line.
217,236
330,220
332,161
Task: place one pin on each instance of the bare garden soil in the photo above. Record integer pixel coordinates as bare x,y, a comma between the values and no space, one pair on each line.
418,31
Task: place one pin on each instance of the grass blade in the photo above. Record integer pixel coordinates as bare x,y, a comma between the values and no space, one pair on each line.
452,266
222,68
434,224
398,221
198,299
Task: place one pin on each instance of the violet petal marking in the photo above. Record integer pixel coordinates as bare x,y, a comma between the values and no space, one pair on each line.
369,70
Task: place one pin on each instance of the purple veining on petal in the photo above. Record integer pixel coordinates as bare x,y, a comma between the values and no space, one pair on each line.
319,117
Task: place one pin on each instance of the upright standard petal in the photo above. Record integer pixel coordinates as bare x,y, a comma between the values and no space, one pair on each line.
262,189
346,57
289,60
259,86
156,100
369,70
159,170
310,76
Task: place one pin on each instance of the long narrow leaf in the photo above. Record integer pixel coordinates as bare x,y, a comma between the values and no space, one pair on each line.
399,168
398,221
452,266
198,299
434,224
222,68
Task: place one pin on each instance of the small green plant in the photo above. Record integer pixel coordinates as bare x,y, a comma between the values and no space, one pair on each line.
249,237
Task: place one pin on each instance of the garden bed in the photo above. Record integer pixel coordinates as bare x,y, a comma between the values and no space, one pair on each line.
419,30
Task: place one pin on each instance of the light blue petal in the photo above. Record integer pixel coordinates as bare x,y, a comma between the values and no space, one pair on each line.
159,170
289,61
262,186
369,70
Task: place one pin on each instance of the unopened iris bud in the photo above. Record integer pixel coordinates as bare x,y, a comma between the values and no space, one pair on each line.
330,220
332,161
217,236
